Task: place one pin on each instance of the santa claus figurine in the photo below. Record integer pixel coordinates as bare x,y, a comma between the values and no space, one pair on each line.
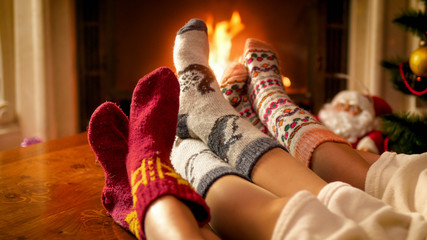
354,116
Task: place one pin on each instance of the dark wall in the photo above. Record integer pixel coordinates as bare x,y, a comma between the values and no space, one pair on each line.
143,33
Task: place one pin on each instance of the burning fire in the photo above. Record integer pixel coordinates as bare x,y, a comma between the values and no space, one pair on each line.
286,81
220,44
220,41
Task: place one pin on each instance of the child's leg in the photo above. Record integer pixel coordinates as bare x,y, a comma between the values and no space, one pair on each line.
295,128
339,162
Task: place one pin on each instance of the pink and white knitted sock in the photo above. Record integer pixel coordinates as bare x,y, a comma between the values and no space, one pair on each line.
234,89
293,127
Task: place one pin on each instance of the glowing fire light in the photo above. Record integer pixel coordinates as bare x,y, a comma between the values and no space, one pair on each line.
286,81
220,41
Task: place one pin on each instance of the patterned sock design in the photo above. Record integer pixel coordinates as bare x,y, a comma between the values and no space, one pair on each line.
198,164
292,126
152,127
107,135
234,89
203,111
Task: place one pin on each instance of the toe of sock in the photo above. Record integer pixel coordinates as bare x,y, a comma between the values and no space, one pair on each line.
193,24
234,71
252,43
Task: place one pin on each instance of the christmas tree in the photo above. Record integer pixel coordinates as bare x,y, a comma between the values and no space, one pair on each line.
410,75
407,133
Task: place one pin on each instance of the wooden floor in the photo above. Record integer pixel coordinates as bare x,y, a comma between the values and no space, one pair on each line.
52,190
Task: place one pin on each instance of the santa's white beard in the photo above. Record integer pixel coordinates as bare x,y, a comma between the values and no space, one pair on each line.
345,125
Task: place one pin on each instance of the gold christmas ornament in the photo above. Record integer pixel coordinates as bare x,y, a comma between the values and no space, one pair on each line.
418,61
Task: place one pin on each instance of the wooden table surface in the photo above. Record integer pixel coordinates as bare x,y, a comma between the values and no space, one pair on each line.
52,190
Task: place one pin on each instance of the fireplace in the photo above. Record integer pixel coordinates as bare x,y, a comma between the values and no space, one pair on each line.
121,41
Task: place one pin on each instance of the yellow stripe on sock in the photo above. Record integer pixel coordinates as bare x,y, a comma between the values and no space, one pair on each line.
134,224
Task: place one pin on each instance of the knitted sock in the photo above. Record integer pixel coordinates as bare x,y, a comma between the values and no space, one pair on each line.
152,128
203,111
198,164
234,89
293,127
107,135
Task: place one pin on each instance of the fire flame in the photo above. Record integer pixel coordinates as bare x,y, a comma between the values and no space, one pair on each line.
286,81
220,41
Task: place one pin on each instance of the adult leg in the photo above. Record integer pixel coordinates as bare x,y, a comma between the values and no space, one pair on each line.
339,162
239,208
204,114
242,210
369,157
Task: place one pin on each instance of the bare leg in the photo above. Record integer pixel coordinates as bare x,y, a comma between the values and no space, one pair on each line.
339,162
280,173
242,210
169,212
369,157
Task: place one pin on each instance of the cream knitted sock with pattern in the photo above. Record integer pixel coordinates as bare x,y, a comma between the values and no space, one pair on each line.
203,111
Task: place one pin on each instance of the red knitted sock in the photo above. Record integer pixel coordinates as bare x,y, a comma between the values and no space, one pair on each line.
152,128
107,135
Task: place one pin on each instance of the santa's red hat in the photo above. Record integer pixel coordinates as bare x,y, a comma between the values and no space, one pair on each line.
381,107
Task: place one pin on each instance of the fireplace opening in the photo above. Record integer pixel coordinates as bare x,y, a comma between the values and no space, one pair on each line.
118,42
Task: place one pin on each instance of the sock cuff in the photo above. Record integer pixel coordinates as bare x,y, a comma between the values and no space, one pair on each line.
209,178
253,152
310,140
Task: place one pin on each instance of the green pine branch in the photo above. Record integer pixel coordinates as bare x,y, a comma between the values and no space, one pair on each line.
414,21
407,132
392,64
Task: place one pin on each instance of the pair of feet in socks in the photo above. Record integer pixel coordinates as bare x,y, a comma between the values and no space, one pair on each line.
135,152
